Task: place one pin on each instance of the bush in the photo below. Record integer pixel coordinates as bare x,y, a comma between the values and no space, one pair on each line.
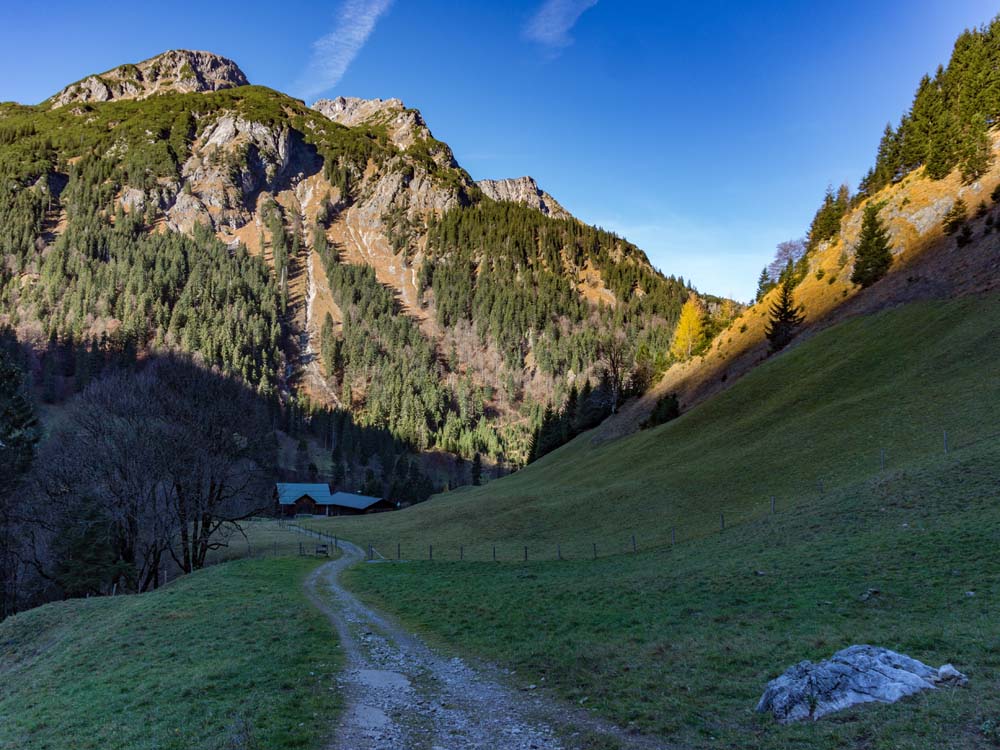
667,408
964,236
955,218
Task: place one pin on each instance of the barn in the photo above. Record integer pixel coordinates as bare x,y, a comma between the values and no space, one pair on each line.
301,499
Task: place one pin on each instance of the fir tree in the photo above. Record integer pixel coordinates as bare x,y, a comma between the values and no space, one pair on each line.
764,284
786,317
477,470
874,255
976,150
18,423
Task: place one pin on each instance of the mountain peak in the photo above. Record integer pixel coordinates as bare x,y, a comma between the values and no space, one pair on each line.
405,126
178,70
524,190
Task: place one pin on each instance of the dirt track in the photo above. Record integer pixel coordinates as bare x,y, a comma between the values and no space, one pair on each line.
401,695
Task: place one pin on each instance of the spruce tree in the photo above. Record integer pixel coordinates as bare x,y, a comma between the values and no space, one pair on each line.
976,149
18,424
477,470
764,284
786,317
874,254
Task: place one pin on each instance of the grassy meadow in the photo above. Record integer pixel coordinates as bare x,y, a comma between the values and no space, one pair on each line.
259,537
821,412
680,640
230,657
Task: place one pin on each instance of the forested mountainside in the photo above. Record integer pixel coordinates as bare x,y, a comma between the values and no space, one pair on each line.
922,224
334,257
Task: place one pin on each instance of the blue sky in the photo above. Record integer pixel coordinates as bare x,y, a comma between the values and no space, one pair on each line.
704,132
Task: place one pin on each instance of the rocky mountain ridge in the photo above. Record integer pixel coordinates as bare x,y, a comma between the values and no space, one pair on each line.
524,190
182,71
508,306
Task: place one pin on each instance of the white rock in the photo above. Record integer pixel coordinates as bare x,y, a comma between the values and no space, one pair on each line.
858,674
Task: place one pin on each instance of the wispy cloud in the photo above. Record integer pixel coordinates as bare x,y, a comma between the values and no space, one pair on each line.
333,53
551,25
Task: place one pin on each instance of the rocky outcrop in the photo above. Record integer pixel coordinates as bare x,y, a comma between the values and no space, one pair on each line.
404,126
858,674
181,71
524,190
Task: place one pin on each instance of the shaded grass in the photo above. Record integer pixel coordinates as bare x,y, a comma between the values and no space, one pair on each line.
259,537
681,642
231,657
819,412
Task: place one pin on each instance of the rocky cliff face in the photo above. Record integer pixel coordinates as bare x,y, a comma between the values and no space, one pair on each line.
404,126
524,190
177,70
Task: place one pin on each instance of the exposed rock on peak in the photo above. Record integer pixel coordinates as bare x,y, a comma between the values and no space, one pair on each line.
524,190
404,126
179,70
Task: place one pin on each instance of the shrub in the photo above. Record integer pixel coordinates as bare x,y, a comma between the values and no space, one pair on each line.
955,218
667,408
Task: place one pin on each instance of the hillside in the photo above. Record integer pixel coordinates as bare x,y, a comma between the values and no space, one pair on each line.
722,613
232,657
894,380
374,276
930,264
935,184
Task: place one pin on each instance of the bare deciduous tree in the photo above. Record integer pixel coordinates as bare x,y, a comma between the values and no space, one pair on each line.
617,356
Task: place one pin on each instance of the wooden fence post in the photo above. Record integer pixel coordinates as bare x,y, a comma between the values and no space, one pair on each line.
595,550
673,535
772,504
946,441
461,552
559,551
882,458
526,553
430,551
722,522
494,553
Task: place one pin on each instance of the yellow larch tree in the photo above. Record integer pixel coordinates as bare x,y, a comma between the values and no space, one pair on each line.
690,329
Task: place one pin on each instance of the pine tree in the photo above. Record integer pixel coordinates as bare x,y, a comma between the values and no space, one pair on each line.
477,470
764,284
786,317
18,423
976,150
690,329
874,254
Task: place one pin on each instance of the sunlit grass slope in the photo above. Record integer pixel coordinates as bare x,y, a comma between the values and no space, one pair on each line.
681,641
819,413
230,657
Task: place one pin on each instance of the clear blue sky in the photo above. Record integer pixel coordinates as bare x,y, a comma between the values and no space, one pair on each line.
705,132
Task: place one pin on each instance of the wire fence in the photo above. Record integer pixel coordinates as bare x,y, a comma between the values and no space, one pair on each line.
605,545
255,539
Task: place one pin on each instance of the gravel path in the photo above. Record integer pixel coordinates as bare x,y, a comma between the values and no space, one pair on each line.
401,695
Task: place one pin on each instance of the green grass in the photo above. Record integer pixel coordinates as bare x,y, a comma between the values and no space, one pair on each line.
680,641
230,657
259,537
821,411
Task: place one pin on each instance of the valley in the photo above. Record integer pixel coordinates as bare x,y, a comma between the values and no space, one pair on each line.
311,439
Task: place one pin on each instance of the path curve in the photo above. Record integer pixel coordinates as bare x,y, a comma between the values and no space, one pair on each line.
401,695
